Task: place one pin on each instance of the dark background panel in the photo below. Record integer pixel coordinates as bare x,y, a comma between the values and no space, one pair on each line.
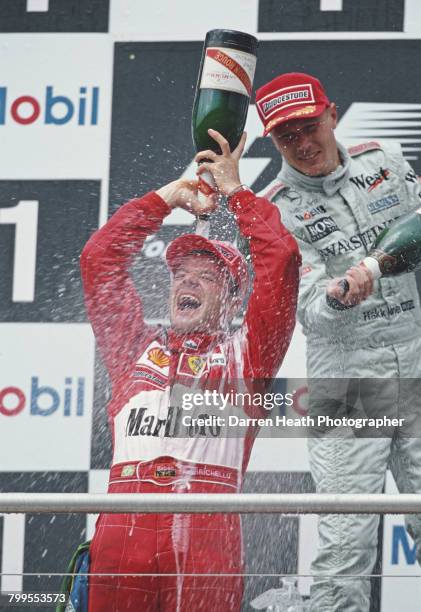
68,213
355,16
153,94
50,539
62,16
101,441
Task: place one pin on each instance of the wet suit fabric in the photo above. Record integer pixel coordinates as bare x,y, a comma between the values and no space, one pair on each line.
150,369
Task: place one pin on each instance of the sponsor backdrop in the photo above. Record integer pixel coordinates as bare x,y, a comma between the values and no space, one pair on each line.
95,104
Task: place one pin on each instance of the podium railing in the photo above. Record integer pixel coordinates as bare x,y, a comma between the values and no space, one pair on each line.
243,503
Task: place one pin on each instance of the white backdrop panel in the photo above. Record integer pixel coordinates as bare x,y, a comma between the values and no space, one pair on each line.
46,391
78,71
169,20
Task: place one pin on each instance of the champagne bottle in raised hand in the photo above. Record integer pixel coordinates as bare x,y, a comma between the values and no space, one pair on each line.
222,96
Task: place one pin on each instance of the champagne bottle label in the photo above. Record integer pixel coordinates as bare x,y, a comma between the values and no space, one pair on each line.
228,69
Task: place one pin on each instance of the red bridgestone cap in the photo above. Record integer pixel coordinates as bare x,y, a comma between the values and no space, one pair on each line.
293,95
227,253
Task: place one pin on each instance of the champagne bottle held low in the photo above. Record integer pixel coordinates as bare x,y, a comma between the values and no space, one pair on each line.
223,92
396,250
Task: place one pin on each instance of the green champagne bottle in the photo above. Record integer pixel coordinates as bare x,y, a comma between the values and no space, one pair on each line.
223,92
397,248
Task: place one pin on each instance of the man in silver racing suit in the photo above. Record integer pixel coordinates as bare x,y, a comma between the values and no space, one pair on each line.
335,202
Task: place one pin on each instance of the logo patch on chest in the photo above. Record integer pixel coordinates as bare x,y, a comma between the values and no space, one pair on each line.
153,366
371,181
321,228
196,364
144,374
192,365
311,213
190,344
218,360
158,357
383,204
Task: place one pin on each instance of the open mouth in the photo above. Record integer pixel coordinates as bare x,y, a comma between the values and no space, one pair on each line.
310,157
188,302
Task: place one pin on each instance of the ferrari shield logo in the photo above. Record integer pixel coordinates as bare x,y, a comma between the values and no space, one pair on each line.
196,364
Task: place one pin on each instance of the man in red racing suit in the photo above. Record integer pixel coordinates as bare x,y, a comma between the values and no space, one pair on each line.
186,561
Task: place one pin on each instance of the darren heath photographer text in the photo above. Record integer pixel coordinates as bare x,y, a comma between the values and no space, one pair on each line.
283,421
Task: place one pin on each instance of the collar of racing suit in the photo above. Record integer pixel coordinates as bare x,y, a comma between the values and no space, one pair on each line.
192,343
329,184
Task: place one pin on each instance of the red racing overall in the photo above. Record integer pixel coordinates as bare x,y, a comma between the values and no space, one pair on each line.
182,562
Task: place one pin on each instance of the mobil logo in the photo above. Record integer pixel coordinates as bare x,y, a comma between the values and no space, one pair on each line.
402,543
53,108
44,400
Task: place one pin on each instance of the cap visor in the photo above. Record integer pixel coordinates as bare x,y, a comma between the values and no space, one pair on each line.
294,116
